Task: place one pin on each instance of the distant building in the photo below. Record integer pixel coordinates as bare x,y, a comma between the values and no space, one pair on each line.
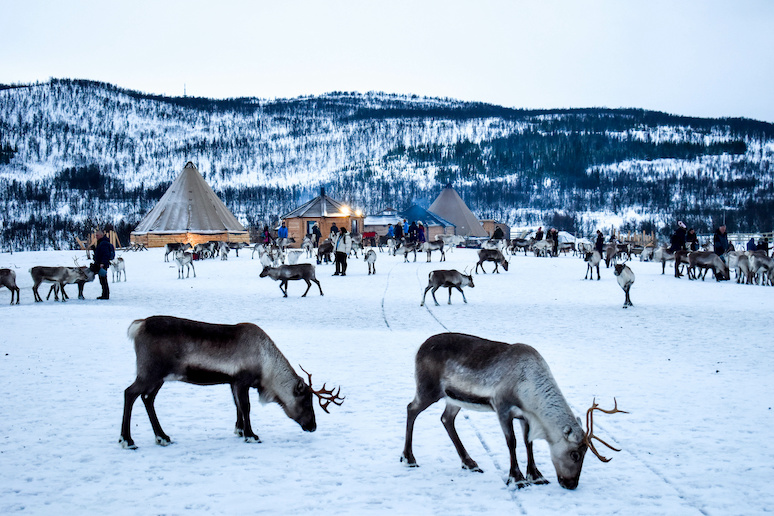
189,212
323,211
378,223
434,225
451,207
490,226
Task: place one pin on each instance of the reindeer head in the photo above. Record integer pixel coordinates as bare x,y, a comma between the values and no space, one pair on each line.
568,454
324,396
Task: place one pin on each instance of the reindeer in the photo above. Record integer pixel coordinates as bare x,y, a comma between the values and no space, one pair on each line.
184,259
491,255
611,253
523,244
625,278
8,280
118,266
173,247
541,248
324,251
707,260
761,265
285,273
429,247
78,281
307,246
592,260
663,255
60,276
370,258
236,246
513,381
447,278
294,255
406,248
242,355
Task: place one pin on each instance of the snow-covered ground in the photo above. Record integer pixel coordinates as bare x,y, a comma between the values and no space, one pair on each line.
691,361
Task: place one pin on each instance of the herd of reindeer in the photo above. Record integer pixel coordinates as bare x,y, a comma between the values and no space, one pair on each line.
465,371
750,267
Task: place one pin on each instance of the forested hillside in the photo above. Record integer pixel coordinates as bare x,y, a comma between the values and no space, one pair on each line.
76,153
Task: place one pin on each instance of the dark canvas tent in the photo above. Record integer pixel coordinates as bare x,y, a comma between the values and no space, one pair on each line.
451,207
189,211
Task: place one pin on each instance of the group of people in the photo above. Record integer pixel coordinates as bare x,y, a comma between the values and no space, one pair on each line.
552,236
414,232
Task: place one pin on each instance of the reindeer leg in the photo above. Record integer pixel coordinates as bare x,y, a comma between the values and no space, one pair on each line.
130,396
461,292
514,474
239,426
447,418
243,405
148,399
417,405
424,295
433,293
533,475
308,286
450,288
592,273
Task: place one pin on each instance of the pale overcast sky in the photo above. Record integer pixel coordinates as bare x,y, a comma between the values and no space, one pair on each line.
698,58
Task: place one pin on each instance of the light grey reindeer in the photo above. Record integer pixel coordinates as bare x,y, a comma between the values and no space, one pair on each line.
513,381
625,278
184,260
447,278
370,258
285,273
242,355
592,259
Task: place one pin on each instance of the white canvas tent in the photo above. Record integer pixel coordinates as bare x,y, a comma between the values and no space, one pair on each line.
189,211
451,207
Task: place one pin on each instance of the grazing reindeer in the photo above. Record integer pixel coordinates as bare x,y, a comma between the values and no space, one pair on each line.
406,248
707,260
173,247
370,259
513,381
8,280
592,260
285,273
60,276
242,355
447,278
491,255
625,278
429,247
184,259
118,266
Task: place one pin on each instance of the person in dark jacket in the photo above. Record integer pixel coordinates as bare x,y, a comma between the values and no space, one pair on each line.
421,233
317,234
763,245
398,231
599,245
412,232
498,234
720,242
751,244
539,234
103,253
691,240
677,241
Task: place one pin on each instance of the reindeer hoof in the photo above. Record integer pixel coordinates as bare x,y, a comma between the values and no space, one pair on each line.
163,441
521,484
472,466
127,445
252,439
409,462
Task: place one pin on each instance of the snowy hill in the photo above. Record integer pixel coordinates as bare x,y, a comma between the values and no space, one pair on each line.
75,153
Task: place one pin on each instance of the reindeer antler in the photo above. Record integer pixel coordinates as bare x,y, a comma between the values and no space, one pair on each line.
587,438
325,397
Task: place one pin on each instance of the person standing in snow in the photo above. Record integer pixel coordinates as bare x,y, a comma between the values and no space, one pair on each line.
341,248
316,234
334,232
599,245
103,253
751,244
691,240
539,234
677,241
720,242
421,233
